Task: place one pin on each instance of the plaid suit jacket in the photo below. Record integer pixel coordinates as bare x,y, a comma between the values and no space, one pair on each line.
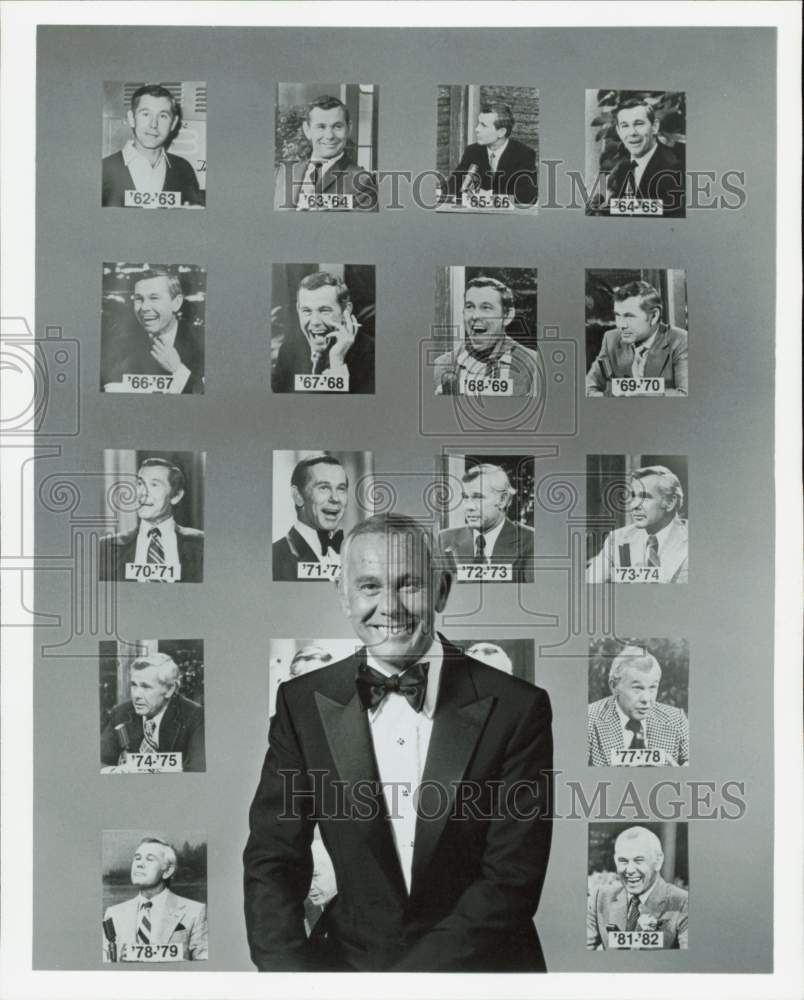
666,728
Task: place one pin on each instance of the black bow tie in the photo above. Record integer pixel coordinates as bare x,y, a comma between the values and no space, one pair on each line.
330,541
372,686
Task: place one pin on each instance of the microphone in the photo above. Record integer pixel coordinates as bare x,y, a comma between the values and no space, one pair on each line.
449,384
123,741
111,936
471,179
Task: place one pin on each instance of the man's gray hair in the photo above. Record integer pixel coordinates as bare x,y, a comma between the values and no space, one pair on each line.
669,484
632,656
166,670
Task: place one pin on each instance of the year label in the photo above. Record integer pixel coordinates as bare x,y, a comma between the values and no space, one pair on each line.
636,574
151,953
490,573
636,206
637,387
152,199
153,763
638,758
471,385
635,939
147,383
327,202
484,201
318,571
321,383
153,572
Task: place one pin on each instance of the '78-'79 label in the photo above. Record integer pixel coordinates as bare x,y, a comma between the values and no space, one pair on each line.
151,953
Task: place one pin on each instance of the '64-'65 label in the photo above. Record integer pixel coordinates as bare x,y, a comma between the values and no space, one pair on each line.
317,571
147,383
152,199
152,763
321,383
489,573
152,572
635,939
326,202
478,385
639,758
151,953
637,387
636,574
636,206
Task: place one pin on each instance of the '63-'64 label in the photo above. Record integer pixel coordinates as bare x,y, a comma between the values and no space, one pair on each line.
489,573
152,199
151,953
326,202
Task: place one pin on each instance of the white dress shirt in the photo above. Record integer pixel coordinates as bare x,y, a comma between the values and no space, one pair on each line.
491,538
661,537
147,178
401,737
310,535
641,352
495,154
307,186
170,546
627,734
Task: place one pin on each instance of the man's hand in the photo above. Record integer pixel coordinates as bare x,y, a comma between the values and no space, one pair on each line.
344,336
167,357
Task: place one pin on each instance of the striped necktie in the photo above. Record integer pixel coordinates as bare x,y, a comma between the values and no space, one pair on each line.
149,743
632,916
653,551
144,926
156,554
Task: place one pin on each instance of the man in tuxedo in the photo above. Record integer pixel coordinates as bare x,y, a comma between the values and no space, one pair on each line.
428,774
156,915
487,352
163,344
329,341
330,169
657,535
156,719
641,345
157,540
489,536
320,490
497,164
643,901
144,164
631,718
647,168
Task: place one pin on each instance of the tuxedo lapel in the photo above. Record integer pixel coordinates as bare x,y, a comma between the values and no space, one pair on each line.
299,547
457,725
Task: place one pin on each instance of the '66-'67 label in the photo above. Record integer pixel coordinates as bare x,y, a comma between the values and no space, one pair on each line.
326,202
147,383
152,572
151,953
637,387
635,939
489,573
636,206
636,574
152,763
317,571
152,199
321,383
478,385
639,758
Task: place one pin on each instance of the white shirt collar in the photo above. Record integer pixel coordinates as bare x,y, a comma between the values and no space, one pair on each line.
490,536
310,535
158,904
327,165
157,720
642,161
624,719
130,153
434,656
646,345
496,153
662,535
166,527
168,336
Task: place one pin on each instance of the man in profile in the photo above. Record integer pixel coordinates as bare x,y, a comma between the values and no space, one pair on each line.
642,901
329,341
647,168
320,490
172,552
330,169
489,535
384,750
497,164
156,719
492,655
156,915
309,658
657,535
163,343
632,719
487,352
143,164
640,345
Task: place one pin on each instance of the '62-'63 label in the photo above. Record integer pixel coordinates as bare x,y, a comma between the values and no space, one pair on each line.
147,383
489,573
637,387
321,383
636,206
151,953
317,570
479,385
635,939
153,572
326,202
152,199
636,574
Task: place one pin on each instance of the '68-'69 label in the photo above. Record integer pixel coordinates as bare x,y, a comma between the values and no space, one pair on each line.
152,199
478,385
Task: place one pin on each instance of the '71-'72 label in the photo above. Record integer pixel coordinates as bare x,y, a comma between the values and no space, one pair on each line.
317,570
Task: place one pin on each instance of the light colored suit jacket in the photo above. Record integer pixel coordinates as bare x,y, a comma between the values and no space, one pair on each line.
665,910
665,727
184,922
667,359
626,547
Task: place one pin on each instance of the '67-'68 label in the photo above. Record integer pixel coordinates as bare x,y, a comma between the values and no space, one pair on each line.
152,199
637,387
639,758
636,206
151,953
478,385
152,572
636,574
147,383
321,383
489,573
326,202
317,570
635,939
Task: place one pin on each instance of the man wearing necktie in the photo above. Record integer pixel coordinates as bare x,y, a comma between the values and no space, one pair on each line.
320,489
643,900
632,718
428,775
657,536
640,345
156,916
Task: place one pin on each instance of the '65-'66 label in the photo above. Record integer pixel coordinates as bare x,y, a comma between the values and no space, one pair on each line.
152,572
152,199
489,573
635,939
317,570
637,386
151,952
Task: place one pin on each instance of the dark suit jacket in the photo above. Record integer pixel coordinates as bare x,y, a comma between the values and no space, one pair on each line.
116,550
516,174
667,359
665,910
514,545
346,177
476,880
127,352
180,731
663,179
294,359
291,550
117,179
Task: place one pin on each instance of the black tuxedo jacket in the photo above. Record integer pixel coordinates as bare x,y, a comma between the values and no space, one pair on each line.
115,551
293,359
478,868
663,178
291,550
180,731
117,179
516,174
514,545
127,352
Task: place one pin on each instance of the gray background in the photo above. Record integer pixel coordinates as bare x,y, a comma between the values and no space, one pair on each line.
725,428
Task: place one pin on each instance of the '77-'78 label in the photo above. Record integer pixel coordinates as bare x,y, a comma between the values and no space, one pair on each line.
317,570
636,574
639,758
637,386
151,953
488,573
